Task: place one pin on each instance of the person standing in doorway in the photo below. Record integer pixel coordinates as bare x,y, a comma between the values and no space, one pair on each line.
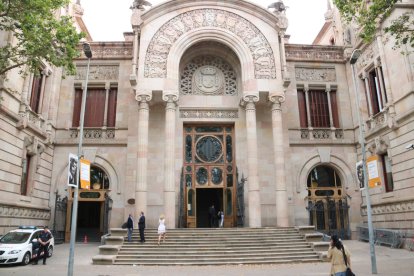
141,227
130,226
161,229
44,240
212,215
221,219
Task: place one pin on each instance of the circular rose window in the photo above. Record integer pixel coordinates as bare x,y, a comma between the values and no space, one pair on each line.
209,149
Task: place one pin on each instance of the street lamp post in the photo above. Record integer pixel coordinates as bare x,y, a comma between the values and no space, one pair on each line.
354,57
88,53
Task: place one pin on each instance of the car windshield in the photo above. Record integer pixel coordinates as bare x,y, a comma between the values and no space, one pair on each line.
15,237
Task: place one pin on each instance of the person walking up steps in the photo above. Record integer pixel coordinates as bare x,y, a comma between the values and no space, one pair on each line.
161,229
141,227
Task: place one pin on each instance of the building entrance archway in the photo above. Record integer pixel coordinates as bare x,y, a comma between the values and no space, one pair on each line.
327,202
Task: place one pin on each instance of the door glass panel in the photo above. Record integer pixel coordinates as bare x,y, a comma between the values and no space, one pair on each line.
188,180
229,180
229,205
229,149
190,202
201,176
217,176
188,149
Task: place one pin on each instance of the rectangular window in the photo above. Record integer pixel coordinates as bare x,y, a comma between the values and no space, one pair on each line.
375,93
112,101
95,107
302,109
25,175
318,108
387,173
36,92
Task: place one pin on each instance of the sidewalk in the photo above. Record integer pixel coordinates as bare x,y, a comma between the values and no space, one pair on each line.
389,262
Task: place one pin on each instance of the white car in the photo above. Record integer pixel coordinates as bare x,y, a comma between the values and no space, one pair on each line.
17,245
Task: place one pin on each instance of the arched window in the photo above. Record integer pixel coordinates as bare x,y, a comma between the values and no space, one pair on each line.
323,176
99,178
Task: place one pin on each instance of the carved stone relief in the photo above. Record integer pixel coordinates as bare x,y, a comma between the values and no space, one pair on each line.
209,113
23,212
208,75
315,74
161,43
368,55
98,72
391,208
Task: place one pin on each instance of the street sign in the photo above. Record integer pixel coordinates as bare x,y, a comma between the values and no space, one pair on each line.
374,179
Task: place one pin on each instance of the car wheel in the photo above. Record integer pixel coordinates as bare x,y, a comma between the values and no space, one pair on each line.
26,259
50,251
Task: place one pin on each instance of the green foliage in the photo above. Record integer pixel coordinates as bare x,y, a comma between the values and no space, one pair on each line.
39,35
368,13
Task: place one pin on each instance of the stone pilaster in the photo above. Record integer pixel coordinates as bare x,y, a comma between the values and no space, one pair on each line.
255,216
169,161
142,154
282,214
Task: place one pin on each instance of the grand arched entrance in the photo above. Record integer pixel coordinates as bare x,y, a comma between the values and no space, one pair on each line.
327,202
93,208
209,173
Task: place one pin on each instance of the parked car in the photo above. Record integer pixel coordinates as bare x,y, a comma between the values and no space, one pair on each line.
17,245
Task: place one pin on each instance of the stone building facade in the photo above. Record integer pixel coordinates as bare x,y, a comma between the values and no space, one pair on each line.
204,103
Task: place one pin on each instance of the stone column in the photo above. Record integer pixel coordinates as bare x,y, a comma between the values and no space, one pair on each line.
169,163
282,214
142,154
255,216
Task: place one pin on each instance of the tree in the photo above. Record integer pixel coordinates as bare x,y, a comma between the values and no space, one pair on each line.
38,35
368,14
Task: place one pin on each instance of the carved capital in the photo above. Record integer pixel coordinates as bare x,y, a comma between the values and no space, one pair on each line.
143,98
169,97
248,101
277,101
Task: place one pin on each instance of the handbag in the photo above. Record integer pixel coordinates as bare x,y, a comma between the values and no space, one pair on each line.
348,271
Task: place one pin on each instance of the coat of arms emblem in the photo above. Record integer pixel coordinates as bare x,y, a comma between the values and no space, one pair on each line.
208,80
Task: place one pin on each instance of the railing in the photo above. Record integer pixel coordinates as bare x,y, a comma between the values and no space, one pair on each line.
392,238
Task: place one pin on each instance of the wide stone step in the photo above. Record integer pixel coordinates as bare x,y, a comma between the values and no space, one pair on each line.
213,246
201,260
168,251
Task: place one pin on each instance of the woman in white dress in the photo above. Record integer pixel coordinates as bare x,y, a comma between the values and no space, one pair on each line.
161,229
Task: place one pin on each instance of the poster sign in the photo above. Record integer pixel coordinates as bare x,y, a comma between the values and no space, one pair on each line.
360,175
85,168
72,170
374,179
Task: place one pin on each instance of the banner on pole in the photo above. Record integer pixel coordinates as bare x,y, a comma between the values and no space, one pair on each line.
85,174
72,170
360,175
374,179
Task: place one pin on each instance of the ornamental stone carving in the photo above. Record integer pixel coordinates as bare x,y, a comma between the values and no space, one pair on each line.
161,43
368,55
23,212
208,75
98,72
315,74
209,113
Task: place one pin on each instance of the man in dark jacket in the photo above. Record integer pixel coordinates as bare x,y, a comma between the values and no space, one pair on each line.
130,226
44,240
212,215
141,227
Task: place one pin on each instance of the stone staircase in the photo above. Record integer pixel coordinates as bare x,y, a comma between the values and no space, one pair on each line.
214,246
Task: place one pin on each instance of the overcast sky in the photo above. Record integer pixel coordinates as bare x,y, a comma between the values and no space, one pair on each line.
107,20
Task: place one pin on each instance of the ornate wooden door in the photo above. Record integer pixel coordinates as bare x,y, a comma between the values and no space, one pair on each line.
209,163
